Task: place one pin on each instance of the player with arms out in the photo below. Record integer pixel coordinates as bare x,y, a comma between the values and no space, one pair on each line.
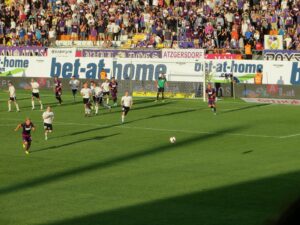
113,85
27,127
74,84
211,97
58,89
86,94
35,93
126,103
161,83
12,97
48,117
105,88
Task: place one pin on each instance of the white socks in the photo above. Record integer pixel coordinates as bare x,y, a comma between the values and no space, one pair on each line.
9,106
33,106
123,118
96,109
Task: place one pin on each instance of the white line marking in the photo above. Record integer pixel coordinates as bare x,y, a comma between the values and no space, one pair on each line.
58,123
289,136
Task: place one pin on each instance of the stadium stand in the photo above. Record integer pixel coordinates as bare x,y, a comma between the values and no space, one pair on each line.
209,24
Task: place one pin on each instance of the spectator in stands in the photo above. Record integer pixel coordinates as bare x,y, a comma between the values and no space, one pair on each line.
195,23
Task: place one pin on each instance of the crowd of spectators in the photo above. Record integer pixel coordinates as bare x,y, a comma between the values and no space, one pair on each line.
209,24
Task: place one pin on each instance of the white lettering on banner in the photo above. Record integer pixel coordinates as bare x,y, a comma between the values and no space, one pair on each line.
274,72
183,54
272,101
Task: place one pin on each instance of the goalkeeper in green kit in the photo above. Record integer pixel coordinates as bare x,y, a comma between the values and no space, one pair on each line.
161,83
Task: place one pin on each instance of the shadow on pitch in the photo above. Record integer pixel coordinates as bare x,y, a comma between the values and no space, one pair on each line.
45,179
130,121
97,138
245,108
244,203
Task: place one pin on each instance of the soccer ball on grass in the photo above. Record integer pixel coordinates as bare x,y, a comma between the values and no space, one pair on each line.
172,140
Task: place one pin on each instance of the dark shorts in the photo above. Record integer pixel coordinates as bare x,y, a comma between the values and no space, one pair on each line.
114,94
106,93
48,126
125,109
37,95
13,99
94,99
211,101
26,138
98,100
58,94
161,89
86,100
74,91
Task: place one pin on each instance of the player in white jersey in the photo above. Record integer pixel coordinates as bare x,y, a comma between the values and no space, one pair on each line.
97,96
126,103
12,97
74,84
35,93
106,89
86,94
97,93
48,117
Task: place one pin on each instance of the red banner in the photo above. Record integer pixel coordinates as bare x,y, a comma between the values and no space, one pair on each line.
223,56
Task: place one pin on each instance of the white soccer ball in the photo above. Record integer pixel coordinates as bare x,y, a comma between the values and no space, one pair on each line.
172,140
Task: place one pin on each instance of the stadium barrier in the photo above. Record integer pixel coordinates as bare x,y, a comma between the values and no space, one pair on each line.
137,88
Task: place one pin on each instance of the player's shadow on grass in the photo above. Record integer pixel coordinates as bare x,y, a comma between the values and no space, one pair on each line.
97,138
244,203
154,105
45,179
129,122
245,108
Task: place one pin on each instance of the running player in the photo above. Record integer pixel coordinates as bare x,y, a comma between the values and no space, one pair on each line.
86,94
27,127
161,83
74,84
48,117
211,97
35,93
113,85
12,97
126,103
97,96
97,93
58,89
105,88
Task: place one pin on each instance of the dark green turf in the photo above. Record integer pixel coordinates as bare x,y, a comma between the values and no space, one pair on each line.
231,169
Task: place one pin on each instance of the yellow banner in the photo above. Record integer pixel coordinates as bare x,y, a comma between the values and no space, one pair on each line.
167,94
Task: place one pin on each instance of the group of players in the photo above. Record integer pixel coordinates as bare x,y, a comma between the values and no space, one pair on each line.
93,96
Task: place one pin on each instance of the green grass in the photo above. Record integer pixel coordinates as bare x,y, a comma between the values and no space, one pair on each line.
241,167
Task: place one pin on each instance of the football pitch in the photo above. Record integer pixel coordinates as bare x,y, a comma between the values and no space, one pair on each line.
240,167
